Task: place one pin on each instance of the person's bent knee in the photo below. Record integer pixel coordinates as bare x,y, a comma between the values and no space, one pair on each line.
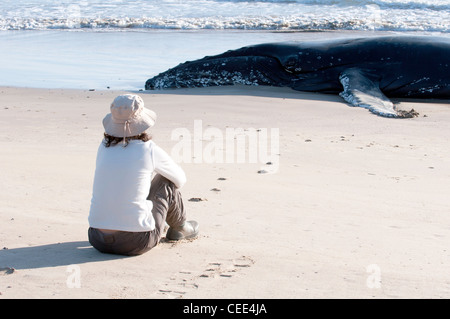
159,179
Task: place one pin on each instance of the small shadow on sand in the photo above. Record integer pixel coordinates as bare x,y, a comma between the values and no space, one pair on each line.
272,92
247,90
52,255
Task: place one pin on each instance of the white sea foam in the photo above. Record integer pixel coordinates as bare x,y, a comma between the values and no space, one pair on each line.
394,15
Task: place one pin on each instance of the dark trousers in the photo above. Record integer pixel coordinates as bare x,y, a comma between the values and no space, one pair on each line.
167,207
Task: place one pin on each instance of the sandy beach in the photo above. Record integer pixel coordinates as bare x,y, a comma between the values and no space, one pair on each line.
356,207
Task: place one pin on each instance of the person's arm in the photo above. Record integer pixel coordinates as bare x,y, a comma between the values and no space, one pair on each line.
167,167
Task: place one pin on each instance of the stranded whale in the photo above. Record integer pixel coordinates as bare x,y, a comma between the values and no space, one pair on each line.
363,71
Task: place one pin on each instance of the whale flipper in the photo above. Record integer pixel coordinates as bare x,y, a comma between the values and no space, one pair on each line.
362,90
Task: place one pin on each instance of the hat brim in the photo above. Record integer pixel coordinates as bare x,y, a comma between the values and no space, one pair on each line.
136,126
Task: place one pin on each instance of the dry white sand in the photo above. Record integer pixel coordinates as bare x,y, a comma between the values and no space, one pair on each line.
359,207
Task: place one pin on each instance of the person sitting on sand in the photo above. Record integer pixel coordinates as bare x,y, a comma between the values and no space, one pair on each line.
129,209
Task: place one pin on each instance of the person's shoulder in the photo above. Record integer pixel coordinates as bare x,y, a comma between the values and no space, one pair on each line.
146,143
150,144
158,151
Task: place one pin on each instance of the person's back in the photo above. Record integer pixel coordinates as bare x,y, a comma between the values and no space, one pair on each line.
128,209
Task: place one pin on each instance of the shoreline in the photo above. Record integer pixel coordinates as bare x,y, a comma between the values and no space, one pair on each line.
91,60
357,208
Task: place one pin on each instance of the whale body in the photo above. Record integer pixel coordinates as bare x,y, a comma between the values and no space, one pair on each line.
365,72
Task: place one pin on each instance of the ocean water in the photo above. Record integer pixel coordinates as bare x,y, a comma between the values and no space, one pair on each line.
120,43
400,15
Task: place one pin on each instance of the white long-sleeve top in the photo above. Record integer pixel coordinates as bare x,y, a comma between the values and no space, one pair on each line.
122,183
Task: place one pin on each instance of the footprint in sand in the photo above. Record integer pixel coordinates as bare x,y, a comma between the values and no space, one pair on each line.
179,285
227,269
184,281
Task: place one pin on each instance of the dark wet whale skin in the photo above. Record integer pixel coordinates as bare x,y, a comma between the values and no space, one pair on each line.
417,67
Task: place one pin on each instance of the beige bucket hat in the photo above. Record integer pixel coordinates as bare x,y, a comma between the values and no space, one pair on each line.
128,117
